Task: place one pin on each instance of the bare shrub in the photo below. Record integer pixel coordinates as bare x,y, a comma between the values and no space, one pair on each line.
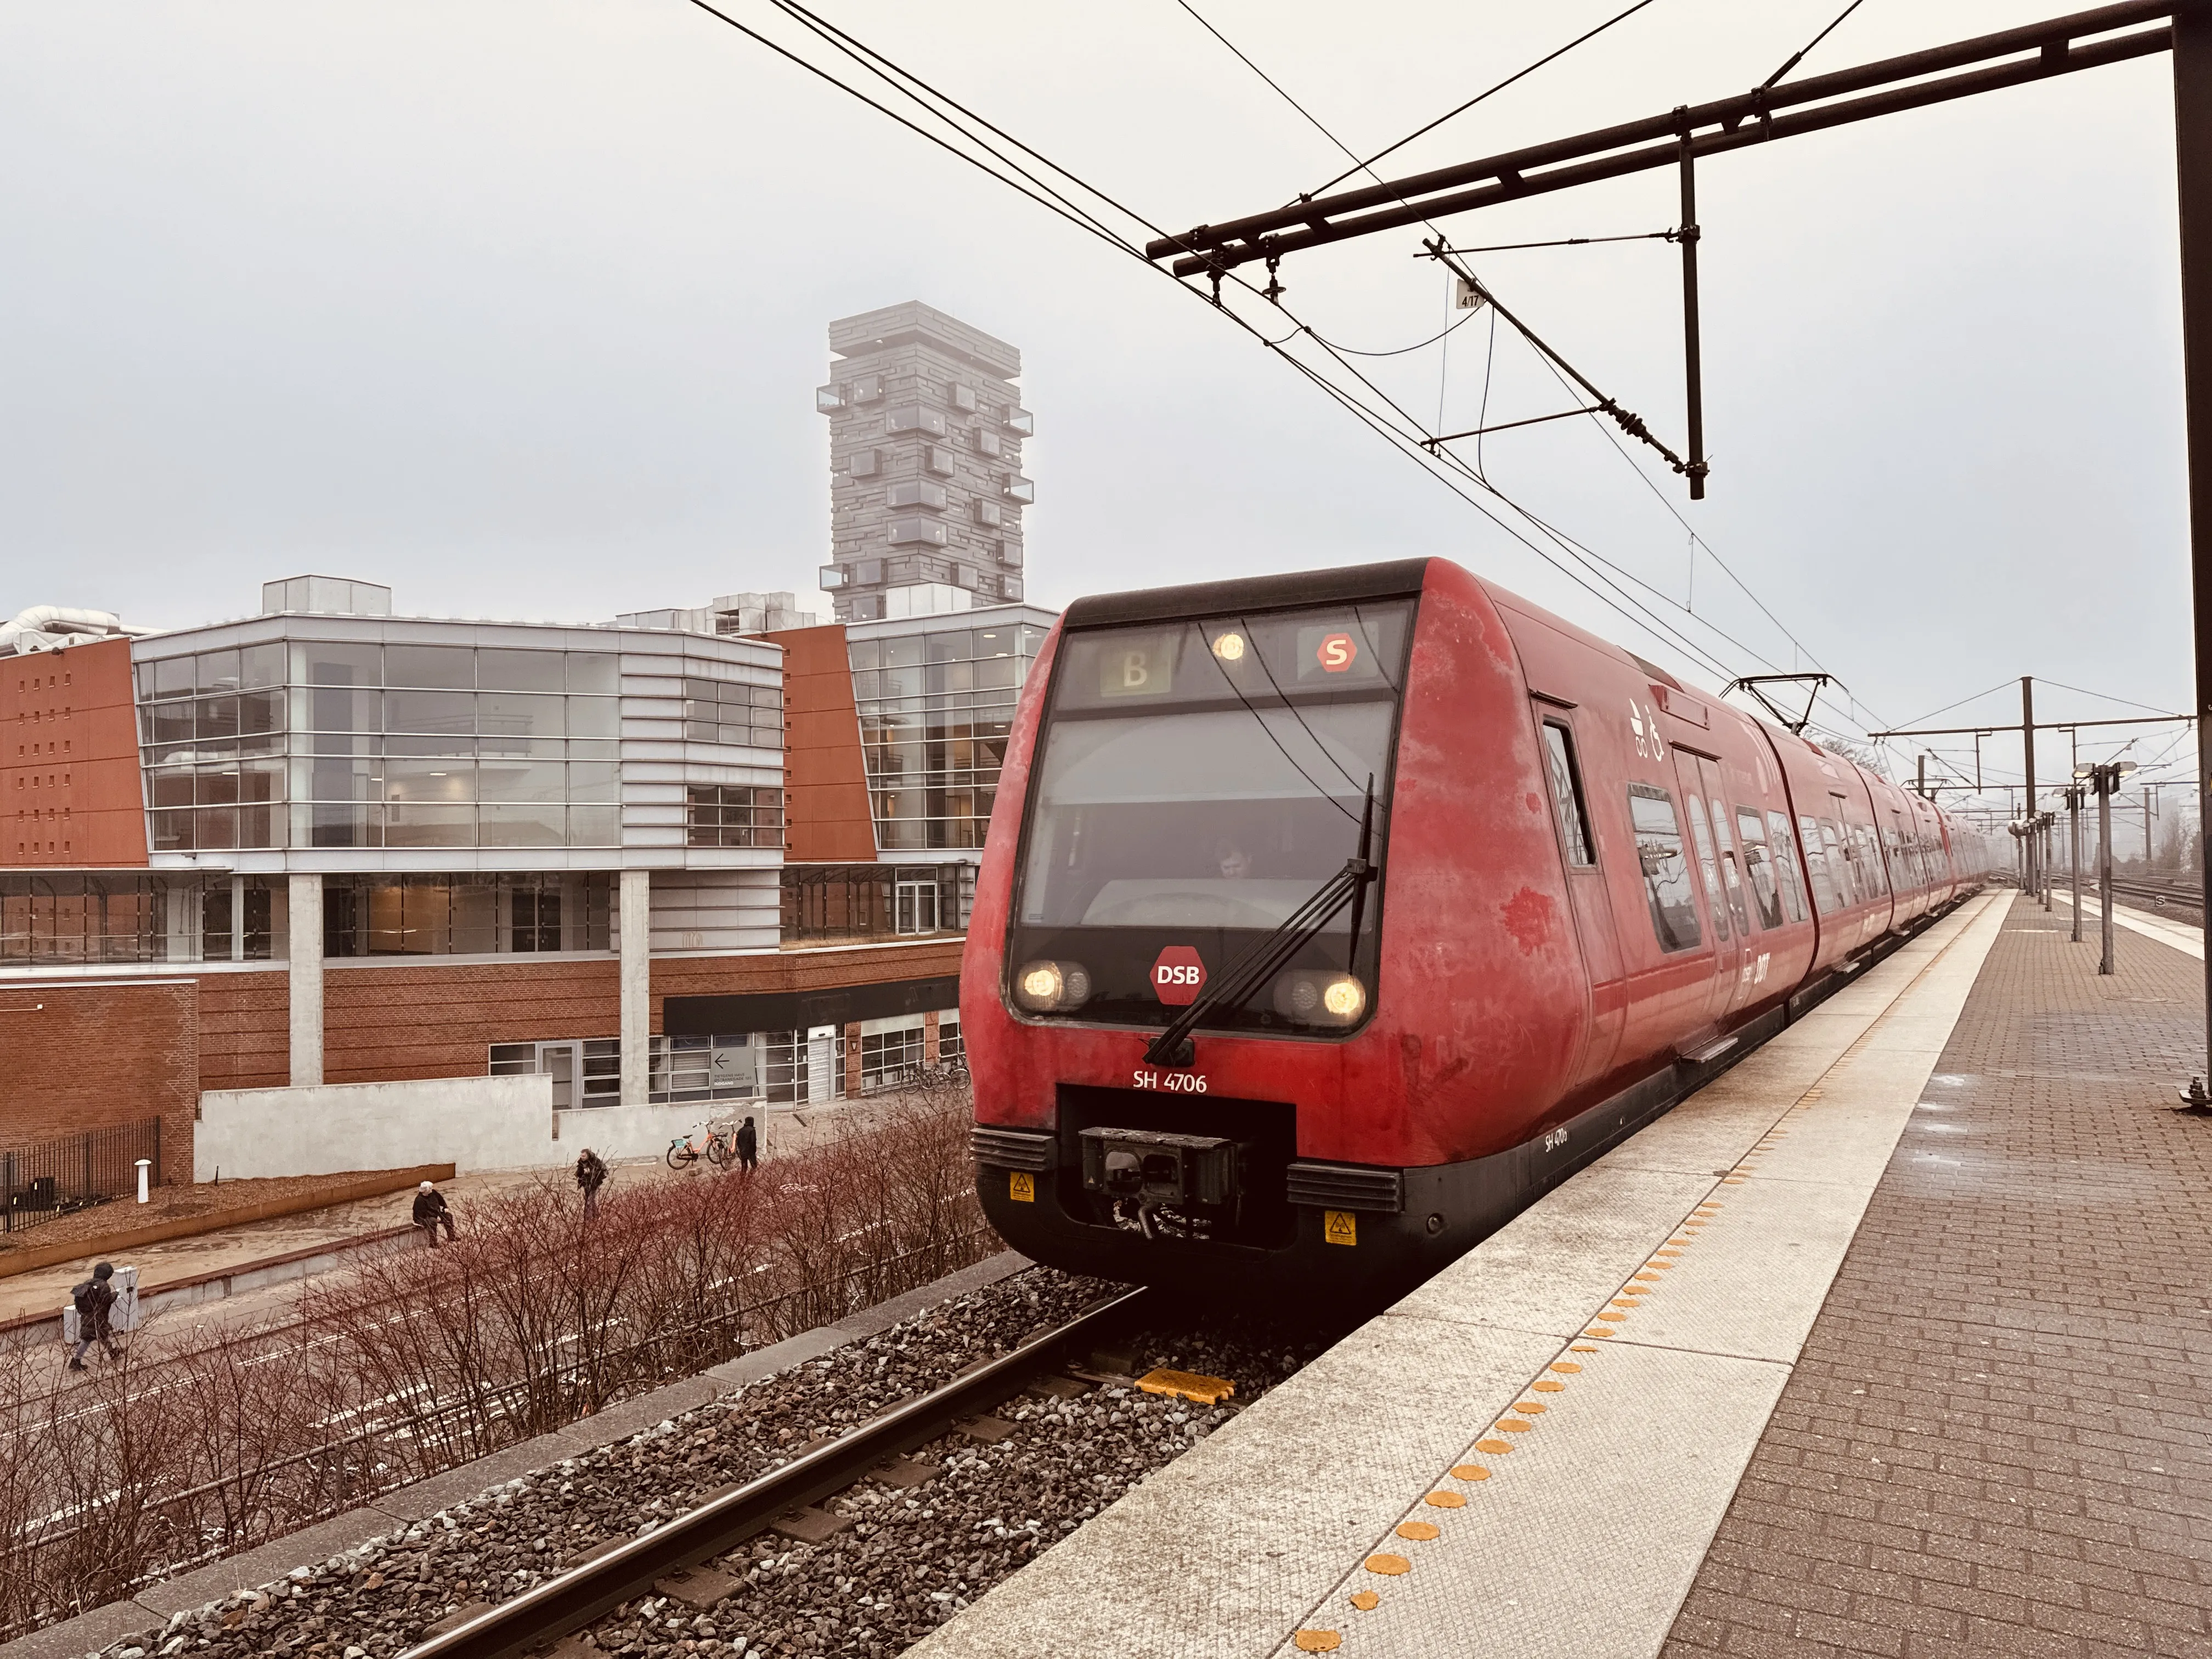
533,1317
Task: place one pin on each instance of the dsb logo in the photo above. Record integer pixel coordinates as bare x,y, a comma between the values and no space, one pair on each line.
1178,976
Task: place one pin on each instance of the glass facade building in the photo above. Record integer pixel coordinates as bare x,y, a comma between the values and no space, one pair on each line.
936,703
310,742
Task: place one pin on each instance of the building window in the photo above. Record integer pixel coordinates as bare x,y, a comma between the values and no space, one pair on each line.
938,460
489,915
987,441
733,815
917,906
886,1056
717,711
824,904
935,711
915,492
924,531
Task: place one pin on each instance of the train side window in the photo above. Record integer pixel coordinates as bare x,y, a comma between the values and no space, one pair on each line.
1729,869
1567,795
1827,896
1870,861
1701,829
1666,869
1840,860
1785,866
1758,863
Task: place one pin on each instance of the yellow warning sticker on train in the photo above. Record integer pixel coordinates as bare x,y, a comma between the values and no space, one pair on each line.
1338,1227
1021,1187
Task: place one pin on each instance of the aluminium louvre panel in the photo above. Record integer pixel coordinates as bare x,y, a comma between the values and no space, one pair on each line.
1348,1186
1012,1149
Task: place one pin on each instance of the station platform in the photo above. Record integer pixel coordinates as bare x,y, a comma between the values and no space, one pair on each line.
1880,1344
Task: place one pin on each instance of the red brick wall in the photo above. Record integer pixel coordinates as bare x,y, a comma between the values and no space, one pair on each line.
246,1031
89,1056
825,784
384,1021
69,793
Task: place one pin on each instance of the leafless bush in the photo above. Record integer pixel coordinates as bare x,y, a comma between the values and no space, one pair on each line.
534,1317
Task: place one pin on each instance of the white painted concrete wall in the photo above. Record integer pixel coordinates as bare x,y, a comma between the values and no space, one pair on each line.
472,1122
616,1133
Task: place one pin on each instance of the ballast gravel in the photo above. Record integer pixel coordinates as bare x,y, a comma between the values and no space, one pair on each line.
908,1559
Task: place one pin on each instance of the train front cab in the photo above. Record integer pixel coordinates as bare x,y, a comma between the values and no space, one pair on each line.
1188,766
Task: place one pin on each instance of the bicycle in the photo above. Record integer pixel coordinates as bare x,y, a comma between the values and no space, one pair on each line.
721,1150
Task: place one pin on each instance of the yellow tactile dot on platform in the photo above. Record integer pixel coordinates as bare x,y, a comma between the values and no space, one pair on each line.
1677,1242
1548,1386
1530,1408
1317,1641
1495,1448
1470,1471
1565,1367
1657,1267
1419,1531
1626,1301
1576,1347
1597,1330
1514,1425
1446,1500
1643,1278
1733,1180
1364,1600
1607,1314
1388,1565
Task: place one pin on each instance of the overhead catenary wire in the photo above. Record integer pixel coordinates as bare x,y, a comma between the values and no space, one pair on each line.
1595,576
1487,93
1798,57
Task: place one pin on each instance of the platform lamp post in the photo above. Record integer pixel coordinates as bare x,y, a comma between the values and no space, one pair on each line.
2104,779
2074,852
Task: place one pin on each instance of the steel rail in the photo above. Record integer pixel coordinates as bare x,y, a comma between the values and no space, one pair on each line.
1743,119
571,1600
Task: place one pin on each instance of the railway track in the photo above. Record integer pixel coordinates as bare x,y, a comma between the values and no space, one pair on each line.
2170,892
540,1616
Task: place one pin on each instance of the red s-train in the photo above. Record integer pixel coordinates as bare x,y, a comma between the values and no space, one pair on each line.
1327,919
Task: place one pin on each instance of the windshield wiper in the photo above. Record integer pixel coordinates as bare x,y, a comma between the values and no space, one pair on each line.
1264,957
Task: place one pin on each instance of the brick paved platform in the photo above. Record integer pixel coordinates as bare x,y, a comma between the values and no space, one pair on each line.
1998,1436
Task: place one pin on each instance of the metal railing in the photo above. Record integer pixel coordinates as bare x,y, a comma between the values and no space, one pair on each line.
55,1178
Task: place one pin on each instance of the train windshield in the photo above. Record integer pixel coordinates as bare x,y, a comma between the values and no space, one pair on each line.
1197,783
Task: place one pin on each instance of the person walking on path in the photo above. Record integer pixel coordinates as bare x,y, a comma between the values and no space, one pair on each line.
430,1211
590,1176
94,1301
747,1147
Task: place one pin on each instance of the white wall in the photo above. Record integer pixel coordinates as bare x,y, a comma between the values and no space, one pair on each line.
624,1131
472,1122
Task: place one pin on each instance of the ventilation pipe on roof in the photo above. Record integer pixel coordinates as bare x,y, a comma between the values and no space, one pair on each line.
51,627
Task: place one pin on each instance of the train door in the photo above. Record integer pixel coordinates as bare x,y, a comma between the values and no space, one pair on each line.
1586,894
1699,777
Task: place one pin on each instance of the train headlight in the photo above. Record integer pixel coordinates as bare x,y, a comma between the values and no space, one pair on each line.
1320,998
1230,647
1046,987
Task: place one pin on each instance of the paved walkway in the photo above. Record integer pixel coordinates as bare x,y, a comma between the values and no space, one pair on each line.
1998,1437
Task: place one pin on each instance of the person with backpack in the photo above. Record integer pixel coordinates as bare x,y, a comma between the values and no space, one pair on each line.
590,1176
94,1301
430,1209
747,1147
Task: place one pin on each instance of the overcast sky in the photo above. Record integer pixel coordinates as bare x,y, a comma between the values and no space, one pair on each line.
518,306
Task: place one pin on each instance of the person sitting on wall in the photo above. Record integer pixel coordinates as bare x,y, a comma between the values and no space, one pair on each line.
590,1176
430,1209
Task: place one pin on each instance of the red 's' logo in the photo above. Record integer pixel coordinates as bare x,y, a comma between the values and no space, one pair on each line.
1178,976
1335,654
